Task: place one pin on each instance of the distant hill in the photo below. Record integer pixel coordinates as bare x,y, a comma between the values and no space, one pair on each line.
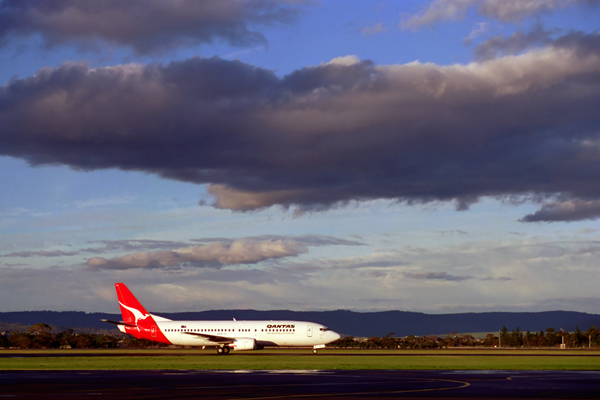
359,324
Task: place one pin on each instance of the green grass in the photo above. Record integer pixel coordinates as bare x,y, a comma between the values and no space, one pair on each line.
302,359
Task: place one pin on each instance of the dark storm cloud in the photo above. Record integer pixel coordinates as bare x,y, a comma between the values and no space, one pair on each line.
144,25
523,126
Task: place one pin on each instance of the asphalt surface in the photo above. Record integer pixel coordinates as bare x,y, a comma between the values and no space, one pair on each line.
299,384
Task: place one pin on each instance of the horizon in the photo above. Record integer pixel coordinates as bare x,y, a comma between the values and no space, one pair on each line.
348,322
311,311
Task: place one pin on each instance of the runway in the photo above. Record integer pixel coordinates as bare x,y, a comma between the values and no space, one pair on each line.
245,384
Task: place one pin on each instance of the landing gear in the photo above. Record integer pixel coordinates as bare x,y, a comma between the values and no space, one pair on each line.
317,347
223,350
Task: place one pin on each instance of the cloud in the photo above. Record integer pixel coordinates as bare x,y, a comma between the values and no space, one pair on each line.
15,212
503,10
145,25
501,279
327,135
524,274
537,37
308,240
481,29
439,10
565,211
214,254
516,10
131,245
517,42
104,201
43,253
372,30
442,276
451,232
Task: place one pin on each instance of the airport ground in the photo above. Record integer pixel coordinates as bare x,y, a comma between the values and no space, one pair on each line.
301,359
299,384
287,373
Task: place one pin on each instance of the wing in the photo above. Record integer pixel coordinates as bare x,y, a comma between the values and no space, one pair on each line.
212,338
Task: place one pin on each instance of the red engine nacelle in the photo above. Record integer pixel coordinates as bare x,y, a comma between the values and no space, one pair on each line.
244,344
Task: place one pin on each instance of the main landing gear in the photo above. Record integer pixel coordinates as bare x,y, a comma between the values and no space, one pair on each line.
315,351
223,350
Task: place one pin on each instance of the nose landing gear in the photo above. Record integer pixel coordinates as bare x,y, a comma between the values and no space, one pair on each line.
317,347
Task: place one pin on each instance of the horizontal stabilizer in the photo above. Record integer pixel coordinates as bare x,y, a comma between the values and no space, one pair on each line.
160,319
118,323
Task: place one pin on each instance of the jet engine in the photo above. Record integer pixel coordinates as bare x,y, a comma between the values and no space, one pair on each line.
244,344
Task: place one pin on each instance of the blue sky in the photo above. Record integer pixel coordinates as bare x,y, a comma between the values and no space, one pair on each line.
435,156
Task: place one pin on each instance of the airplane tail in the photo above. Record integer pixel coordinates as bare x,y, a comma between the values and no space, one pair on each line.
131,309
136,320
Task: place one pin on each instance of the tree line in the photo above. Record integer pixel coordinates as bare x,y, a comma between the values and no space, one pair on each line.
40,336
505,338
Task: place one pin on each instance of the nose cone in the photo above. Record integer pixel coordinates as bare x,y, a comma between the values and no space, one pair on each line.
332,336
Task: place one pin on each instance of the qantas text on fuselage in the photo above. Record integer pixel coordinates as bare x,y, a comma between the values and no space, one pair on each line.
224,335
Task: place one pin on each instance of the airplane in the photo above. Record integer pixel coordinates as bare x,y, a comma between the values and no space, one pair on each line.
224,335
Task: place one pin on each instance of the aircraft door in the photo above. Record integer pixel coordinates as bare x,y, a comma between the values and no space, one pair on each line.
309,330
153,330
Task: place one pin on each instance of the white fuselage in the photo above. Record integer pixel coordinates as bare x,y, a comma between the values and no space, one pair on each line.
265,333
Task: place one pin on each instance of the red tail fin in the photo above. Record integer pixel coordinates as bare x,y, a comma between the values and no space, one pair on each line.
134,313
131,309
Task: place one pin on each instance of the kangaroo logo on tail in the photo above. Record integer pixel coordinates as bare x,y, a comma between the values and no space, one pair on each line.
136,313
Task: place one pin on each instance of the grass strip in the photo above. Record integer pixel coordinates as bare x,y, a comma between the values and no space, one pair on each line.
324,361
307,351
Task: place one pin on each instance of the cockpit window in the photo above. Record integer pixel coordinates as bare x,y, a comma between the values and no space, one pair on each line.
323,329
